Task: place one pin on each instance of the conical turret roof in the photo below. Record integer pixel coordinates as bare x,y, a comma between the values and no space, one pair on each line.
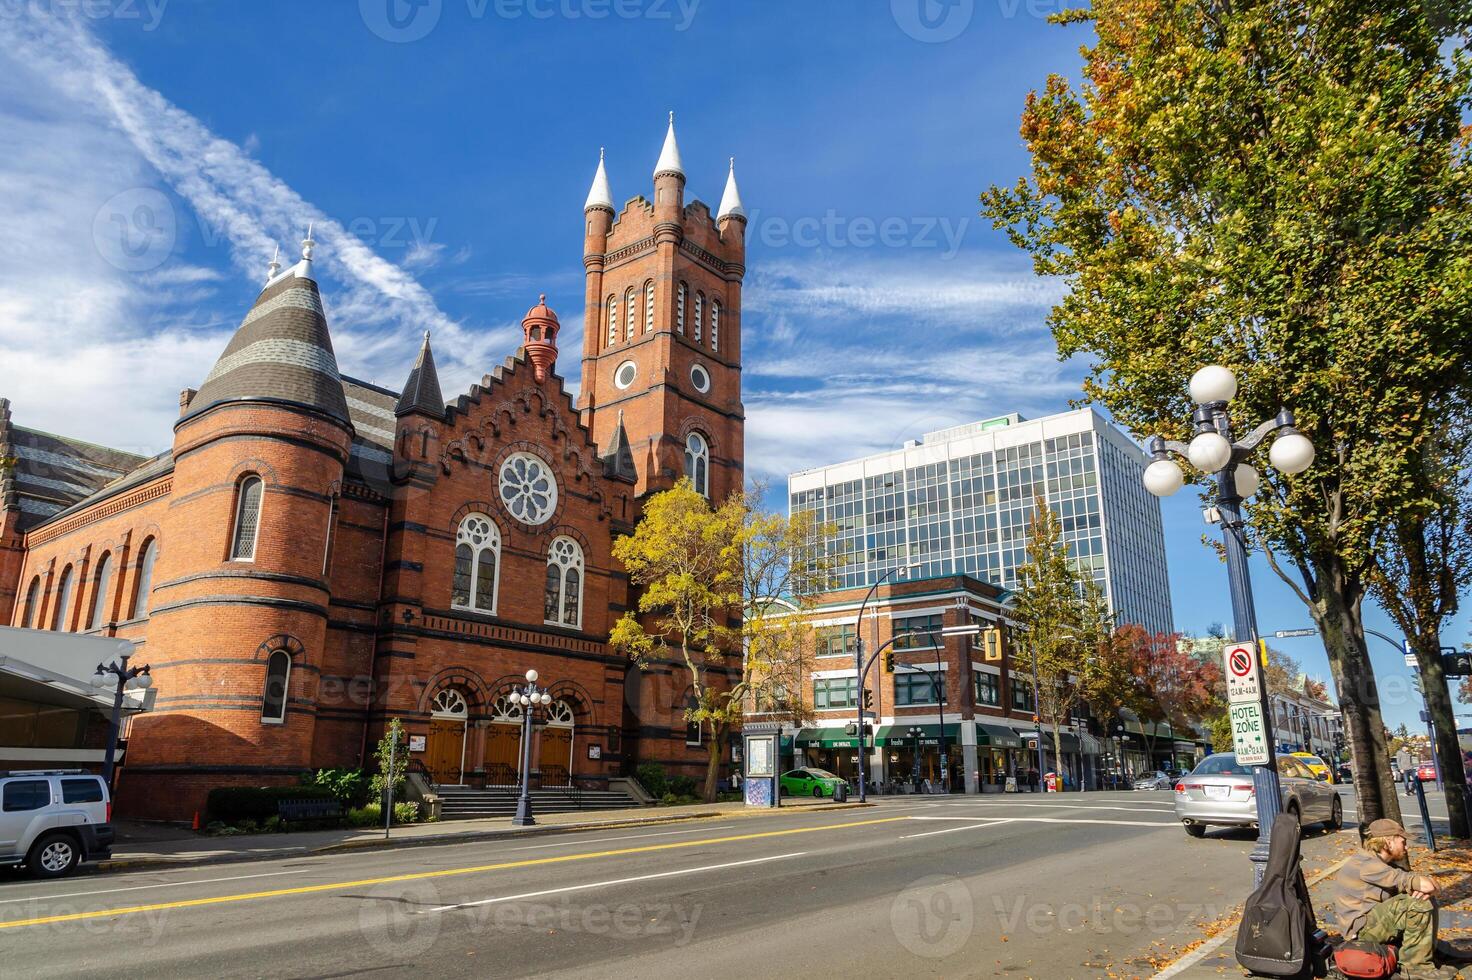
731,198
600,195
422,390
281,352
669,155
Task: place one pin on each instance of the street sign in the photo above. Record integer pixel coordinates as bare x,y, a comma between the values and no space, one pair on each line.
1285,634
1244,677
1411,661
1247,734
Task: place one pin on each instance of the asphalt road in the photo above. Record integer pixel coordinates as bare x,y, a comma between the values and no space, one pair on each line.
1074,886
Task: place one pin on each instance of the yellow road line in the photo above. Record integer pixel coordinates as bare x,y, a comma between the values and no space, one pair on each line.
419,875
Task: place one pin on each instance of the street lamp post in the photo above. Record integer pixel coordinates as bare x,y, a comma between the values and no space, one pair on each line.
529,697
121,676
1213,450
860,669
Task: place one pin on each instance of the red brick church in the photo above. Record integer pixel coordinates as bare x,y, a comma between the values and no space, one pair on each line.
316,554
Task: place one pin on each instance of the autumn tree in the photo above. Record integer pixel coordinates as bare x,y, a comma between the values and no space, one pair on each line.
1423,566
1282,189
1063,621
718,587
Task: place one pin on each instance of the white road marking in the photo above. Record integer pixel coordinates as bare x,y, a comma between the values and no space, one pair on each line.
952,830
601,840
1107,823
162,884
1064,806
614,881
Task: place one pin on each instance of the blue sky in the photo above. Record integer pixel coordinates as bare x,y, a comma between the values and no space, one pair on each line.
159,149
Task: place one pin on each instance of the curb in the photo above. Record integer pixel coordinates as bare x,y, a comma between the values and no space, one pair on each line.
433,840
1229,930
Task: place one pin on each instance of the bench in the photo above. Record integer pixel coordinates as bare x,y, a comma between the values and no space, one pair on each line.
290,810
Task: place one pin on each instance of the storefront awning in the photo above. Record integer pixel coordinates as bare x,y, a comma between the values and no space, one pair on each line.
997,736
1068,740
825,738
1091,745
900,735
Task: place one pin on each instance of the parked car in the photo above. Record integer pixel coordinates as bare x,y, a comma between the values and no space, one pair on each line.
1219,792
809,782
1157,779
1426,772
1315,765
51,820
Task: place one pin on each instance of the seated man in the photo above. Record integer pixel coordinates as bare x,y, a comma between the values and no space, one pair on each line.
1376,900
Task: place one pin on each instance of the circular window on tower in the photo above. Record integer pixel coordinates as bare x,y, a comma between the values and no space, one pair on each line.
700,378
528,488
625,375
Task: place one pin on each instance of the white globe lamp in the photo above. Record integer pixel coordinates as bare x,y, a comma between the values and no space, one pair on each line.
531,676
145,681
1247,479
1209,452
1163,477
1292,453
101,679
1213,383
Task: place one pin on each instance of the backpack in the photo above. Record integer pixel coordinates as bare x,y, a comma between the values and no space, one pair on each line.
1364,961
1276,937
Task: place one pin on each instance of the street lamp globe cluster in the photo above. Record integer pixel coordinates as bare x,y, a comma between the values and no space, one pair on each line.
1214,452
530,697
1211,449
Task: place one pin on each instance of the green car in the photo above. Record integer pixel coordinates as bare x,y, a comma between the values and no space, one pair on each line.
809,782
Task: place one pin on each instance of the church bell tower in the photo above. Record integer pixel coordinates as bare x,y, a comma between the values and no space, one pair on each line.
662,328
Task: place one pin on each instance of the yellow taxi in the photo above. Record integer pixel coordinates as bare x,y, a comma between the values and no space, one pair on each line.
1315,765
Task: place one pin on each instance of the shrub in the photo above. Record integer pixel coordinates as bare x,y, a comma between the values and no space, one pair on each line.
234,804
651,776
348,785
681,785
365,816
406,812
273,824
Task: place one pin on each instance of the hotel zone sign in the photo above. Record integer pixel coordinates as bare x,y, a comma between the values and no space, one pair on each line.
1244,701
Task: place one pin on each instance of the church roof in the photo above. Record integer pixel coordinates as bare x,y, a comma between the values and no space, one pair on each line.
422,390
281,352
669,155
42,474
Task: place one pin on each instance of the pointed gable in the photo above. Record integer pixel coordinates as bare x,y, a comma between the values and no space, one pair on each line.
422,390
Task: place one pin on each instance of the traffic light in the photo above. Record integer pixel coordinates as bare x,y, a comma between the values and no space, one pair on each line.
889,662
868,699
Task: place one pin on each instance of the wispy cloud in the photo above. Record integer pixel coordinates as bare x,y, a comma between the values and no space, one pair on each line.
70,99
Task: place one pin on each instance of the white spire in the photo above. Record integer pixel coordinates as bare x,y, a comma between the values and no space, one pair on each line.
275,266
599,195
669,157
731,197
304,267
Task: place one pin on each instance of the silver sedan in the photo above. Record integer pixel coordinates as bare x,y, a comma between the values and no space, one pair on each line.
1219,792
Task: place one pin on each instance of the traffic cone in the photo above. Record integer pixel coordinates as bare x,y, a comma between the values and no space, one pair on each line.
196,820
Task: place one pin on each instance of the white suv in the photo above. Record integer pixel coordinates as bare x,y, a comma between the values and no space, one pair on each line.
53,819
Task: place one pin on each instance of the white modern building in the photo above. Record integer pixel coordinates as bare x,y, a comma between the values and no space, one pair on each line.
958,501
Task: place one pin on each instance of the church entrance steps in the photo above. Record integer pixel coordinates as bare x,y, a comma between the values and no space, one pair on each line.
464,803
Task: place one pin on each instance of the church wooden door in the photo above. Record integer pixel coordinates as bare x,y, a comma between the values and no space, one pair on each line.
556,756
503,754
445,749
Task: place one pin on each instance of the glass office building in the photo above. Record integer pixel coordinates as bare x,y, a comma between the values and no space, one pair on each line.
959,501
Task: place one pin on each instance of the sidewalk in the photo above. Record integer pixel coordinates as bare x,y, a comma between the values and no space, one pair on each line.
1452,866
146,845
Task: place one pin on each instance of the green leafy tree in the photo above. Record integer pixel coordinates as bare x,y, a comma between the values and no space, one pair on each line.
1423,566
392,754
719,587
1280,188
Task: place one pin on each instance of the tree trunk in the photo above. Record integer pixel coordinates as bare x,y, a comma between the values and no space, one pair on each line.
1337,615
1057,761
1448,749
713,764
